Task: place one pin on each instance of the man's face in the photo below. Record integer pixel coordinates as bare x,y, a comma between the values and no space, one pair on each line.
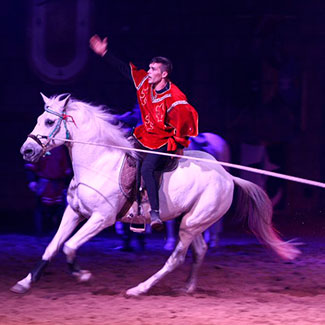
155,74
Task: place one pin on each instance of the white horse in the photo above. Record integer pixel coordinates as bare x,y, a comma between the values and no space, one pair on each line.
198,191
211,143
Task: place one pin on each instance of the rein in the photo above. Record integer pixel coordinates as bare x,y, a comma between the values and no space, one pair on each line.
250,169
63,118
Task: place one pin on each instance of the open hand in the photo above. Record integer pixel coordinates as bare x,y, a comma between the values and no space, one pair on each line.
97,45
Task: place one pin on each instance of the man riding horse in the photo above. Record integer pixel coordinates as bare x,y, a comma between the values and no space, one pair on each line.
168,119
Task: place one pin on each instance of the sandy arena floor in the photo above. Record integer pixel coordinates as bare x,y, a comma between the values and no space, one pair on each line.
240,283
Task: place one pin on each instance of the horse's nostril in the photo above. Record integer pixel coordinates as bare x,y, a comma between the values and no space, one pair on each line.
28,152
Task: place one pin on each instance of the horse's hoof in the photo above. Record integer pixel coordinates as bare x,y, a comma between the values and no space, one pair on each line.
133,292
189,289
82,275
18,288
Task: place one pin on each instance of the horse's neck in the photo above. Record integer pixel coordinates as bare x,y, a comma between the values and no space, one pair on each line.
90,160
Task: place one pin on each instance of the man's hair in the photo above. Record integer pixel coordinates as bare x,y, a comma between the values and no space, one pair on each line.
166,64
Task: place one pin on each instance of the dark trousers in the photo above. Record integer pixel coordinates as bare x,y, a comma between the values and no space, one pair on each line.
150,165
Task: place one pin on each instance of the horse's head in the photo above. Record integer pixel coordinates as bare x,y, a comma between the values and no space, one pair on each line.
50,128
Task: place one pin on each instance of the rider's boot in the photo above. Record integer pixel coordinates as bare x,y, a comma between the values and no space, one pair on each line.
156,223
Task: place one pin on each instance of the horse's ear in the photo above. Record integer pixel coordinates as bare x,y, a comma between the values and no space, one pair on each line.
44,98
65,100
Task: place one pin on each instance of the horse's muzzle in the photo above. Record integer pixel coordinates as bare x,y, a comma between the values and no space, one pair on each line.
31,152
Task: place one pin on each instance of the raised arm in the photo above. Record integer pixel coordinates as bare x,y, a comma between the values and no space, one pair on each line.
99,46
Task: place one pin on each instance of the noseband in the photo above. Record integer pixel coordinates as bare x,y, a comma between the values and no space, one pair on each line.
37,138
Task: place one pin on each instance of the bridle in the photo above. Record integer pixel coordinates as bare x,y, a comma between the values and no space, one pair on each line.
62,118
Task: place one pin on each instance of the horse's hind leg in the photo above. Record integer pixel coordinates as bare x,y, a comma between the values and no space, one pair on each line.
199,249
176,259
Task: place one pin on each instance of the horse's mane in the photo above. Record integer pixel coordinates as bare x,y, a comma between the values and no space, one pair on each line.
98,123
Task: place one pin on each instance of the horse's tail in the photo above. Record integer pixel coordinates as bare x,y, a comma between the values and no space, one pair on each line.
253,204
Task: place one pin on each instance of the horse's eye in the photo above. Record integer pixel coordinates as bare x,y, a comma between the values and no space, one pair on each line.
49,122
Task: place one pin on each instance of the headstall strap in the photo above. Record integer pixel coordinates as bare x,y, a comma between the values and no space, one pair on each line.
62,117
65,117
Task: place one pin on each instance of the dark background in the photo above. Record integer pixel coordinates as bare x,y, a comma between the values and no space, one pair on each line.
253,69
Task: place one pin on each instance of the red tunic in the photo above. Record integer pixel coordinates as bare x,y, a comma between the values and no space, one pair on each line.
167,117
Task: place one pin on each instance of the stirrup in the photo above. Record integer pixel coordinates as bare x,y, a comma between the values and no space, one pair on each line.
138,228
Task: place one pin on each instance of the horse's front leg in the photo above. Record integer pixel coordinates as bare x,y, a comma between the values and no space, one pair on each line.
69,222
177,258
95,224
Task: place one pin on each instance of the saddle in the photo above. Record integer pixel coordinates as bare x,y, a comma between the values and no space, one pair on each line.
136,209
